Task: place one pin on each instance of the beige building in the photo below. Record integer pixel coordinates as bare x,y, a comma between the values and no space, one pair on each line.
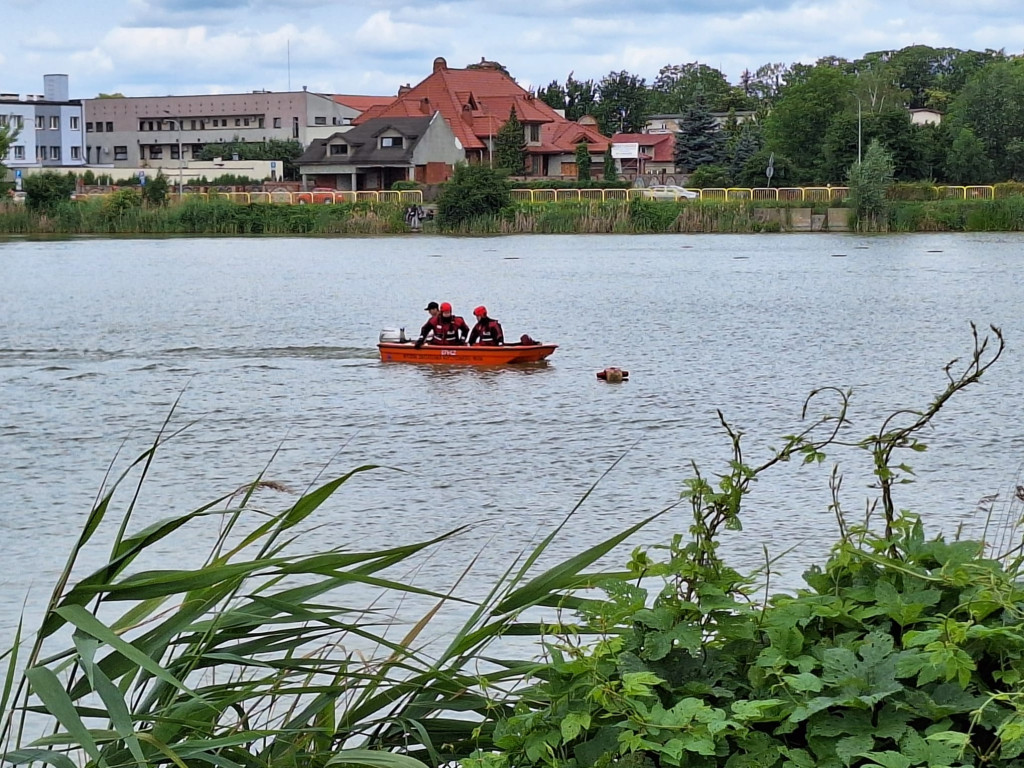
146,132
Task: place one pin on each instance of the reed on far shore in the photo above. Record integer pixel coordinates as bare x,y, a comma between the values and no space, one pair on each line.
220,216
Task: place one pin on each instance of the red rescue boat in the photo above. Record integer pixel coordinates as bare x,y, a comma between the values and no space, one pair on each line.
509,354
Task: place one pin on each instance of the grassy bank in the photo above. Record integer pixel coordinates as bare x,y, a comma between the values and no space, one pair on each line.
223,217
902,651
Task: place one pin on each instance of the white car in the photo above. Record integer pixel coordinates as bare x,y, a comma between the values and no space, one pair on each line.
669,192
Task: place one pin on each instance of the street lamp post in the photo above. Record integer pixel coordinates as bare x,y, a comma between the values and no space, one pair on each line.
181,158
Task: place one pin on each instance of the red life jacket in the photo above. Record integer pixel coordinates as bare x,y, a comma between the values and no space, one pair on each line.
446,331
487,333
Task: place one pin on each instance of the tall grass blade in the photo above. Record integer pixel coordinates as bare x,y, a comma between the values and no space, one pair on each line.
57,702
371,758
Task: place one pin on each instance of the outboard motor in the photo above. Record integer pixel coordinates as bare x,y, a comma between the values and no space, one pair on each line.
392,336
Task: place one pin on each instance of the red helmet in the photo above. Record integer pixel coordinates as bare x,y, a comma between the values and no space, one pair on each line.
446,307
480,311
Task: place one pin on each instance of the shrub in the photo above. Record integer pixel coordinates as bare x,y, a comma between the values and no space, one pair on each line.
473,190
406,184
710,176
48,189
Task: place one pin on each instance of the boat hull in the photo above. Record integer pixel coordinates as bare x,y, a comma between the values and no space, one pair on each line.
430,354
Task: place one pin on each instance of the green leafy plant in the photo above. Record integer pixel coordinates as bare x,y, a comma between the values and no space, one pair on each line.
472,191
46,190
902,651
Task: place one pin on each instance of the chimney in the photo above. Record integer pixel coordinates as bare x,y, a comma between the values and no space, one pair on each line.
404,89
439,64
425,106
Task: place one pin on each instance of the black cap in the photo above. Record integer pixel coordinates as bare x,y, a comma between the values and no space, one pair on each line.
432,305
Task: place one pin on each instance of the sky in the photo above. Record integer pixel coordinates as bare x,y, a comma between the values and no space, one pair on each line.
183,47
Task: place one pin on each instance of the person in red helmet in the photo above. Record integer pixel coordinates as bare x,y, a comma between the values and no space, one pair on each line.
487,331
449,330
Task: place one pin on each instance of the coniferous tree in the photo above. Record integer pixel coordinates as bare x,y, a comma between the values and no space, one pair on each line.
699,141
748,143
510,145
583,161
610,173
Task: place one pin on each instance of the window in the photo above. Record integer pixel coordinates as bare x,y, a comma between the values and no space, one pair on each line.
295,127
74,123
40,152
3,120
88,127
196,149
120,153
175,155
54,123
76,153
238,121
277,122
260,122
99,127
391,141
55,153
339,149
156,152
245,121
40,121
319,121
110,127
142,125
534,132
19,122
192,124
19,152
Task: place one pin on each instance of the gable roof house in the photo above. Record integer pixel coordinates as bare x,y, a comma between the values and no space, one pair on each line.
380,151
477,101
655,153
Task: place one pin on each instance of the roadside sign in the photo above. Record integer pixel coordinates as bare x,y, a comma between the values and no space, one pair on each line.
17,179
273,164
626,150
142,178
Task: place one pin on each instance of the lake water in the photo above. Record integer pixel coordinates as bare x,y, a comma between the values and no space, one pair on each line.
270,345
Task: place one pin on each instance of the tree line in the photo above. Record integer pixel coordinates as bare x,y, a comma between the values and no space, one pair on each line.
817,120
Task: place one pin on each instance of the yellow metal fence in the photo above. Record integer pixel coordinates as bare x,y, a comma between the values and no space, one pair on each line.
785,194
415,196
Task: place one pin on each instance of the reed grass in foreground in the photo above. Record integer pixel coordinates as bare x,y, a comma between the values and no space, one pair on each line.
902,652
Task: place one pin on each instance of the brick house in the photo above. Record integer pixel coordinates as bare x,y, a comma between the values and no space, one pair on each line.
476,101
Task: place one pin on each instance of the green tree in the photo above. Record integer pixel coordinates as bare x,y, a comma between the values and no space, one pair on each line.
580,98
553,95
473,190
624,103
677,85
707,176
803,113
752,172
991,105
583,161
8,135
746,146
699,141
869,181
610,174
48,189
154,191
967,162
510,145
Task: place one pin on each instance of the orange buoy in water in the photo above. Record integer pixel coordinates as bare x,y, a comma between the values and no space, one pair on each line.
613,374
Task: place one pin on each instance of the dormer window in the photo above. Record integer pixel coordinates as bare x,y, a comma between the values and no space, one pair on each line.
533,133
339,149
391,141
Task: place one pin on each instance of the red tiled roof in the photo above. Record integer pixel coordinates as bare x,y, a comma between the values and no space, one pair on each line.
664,144
476,103
363,103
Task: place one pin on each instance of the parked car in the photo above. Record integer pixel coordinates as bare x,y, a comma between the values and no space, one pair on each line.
669,192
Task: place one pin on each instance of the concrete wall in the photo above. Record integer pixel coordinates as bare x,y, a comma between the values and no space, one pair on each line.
437,145
254,169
